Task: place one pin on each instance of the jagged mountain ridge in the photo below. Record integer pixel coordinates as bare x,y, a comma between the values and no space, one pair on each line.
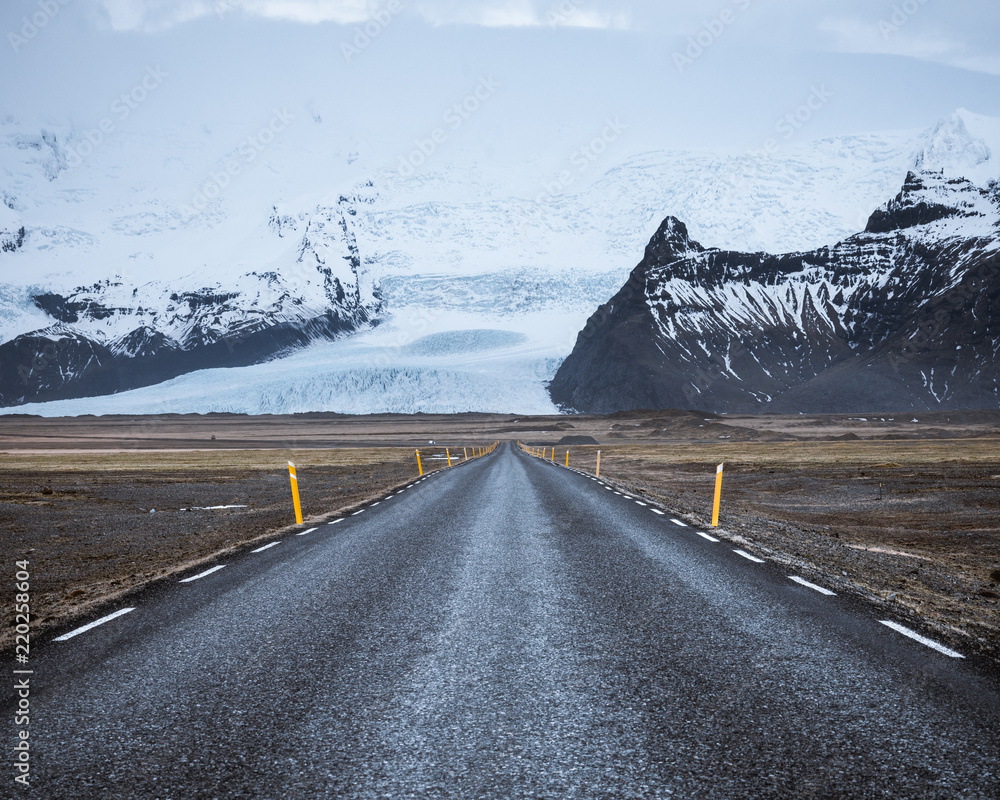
114,335
458,247
905,315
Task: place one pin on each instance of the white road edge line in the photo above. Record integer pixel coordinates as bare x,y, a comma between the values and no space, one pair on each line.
656,511
749,557
203,574
706,536
265,547
922,639
812,586
93,624
305,532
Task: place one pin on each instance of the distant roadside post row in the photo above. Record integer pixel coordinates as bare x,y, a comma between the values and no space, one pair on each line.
546,454
478,451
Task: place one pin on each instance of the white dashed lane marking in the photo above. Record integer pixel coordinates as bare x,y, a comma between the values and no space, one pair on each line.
93,624
922,639
305,532
706,536
640,503
265,547
334,522
678,522
749,557
362,511
203,574
656,511
812,586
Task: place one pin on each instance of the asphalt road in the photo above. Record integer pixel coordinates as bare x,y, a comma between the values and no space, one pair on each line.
505,629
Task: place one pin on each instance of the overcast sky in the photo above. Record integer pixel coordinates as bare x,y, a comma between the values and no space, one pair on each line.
723,73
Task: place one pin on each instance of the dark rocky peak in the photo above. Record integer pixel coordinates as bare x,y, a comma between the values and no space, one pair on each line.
925,197
143,341
670,243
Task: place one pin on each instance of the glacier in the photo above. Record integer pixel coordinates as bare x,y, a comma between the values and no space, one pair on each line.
489,370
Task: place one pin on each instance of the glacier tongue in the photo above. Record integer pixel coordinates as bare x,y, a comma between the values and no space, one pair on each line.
485,370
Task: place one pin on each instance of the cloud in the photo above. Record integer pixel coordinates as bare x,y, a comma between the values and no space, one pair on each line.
896,34
154,15
522,14
343,12
128,15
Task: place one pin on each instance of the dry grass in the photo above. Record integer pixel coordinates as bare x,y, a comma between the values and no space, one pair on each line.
200,460
789,455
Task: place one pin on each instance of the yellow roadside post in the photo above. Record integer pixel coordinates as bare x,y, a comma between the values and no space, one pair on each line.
718,496
295,493
448,453
598,473
420,468
553,459
567,458
465,452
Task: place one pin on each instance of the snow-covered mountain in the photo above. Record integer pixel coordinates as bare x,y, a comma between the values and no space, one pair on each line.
905,315
158,258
